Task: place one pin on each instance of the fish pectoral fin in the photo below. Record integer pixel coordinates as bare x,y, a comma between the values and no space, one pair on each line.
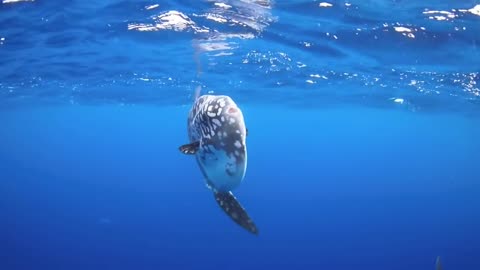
235,211
189,149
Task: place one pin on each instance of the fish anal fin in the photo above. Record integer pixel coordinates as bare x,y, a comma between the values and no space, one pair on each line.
235,211
189,149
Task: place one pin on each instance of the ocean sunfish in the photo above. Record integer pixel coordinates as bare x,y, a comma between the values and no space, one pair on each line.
217,134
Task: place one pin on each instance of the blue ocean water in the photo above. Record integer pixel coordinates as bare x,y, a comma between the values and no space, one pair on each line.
363,143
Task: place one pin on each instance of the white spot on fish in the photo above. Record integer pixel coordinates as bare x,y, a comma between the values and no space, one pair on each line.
210,108
236,153
237,131
225,134
217,122
238,144
219,112
232,120
210,114
221,102
223,119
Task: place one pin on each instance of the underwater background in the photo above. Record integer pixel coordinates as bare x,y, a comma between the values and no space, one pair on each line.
363,145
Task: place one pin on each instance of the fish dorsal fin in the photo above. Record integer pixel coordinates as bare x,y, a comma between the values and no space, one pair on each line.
235,211
189,149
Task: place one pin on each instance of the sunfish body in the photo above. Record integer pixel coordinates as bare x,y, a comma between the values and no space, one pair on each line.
217,134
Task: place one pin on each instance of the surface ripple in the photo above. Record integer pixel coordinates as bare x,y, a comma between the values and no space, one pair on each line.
373,52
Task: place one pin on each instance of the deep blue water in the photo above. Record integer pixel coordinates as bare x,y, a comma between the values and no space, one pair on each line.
363,146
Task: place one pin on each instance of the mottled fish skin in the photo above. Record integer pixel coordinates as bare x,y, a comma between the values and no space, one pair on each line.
217,123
